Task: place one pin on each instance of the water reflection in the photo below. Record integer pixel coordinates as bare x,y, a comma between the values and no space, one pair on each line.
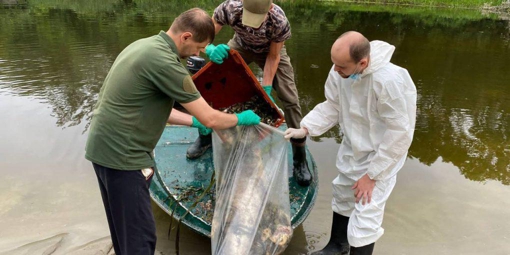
55,54
458,61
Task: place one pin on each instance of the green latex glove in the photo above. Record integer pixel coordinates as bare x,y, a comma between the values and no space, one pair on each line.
267,89
247,118
203,130
217,53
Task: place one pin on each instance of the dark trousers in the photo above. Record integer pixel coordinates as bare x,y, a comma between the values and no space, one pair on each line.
128,209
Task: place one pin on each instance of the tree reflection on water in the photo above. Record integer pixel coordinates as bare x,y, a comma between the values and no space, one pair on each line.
61,56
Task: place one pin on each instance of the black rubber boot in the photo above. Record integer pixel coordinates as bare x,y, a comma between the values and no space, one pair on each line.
338,244
199,147
363,250
301,171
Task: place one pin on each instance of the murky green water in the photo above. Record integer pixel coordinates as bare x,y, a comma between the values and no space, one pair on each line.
452,195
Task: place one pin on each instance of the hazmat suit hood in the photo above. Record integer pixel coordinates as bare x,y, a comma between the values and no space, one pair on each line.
380,55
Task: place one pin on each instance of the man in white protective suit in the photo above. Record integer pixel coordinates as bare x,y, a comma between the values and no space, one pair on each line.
374,102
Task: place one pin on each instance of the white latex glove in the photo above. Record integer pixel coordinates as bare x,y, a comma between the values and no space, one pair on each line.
295,133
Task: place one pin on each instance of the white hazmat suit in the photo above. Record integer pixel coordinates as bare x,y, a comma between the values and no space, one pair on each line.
377,115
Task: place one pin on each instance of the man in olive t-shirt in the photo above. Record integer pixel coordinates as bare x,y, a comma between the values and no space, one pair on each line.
134,105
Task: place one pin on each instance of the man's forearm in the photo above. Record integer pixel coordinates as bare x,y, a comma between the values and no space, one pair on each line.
391,150
179,118
270,69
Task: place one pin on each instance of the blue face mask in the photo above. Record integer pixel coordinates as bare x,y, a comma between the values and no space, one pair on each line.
355,75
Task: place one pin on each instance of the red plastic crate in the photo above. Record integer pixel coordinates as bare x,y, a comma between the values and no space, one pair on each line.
230,83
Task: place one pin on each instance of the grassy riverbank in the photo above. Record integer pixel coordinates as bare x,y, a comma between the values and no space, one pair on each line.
430,3
430,11
94,4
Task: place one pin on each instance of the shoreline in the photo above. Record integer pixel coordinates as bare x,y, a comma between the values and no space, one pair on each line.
502,8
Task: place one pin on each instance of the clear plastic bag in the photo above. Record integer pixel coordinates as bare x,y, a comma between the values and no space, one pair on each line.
252,213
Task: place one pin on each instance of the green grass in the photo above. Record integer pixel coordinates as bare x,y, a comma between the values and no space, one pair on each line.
434,3
430,12
335,12
90,6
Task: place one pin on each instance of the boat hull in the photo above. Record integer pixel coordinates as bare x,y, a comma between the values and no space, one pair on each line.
181,187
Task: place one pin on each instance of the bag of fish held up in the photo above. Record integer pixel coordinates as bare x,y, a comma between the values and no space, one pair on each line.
252,212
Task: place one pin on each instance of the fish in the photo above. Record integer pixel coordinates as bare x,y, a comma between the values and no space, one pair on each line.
258,105
246,220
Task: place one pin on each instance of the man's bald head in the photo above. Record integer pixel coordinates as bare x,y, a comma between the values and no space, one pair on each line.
350,54
353,43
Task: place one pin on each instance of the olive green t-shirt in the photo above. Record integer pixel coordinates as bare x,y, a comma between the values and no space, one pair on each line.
135,101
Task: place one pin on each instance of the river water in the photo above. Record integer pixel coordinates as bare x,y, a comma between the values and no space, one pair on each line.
451,196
